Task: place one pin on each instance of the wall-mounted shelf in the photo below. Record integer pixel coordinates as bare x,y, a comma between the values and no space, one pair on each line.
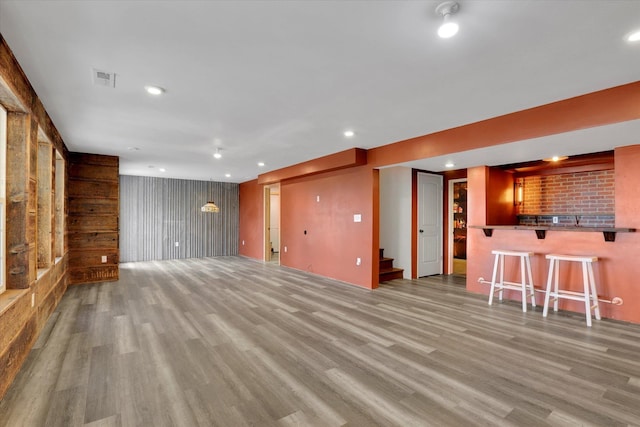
568,219
609,233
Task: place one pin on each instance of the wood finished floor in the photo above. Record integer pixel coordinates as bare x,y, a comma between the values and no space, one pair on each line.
233,342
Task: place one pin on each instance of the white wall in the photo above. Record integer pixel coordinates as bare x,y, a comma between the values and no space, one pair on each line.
395,216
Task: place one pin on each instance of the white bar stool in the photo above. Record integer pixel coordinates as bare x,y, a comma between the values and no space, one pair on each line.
525,264
589,294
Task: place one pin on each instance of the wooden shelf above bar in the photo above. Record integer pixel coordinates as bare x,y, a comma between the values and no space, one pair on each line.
568,214
609,233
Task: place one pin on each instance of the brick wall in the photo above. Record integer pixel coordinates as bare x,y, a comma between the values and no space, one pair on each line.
581,198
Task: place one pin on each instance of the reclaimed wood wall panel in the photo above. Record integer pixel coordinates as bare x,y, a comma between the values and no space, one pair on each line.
45,186
157,212
20,201
27,303
93,218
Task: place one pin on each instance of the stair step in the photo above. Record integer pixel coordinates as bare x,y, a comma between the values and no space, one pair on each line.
381,252
390,274
386,263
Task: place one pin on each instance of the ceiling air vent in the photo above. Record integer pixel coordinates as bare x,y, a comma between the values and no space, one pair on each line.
104,78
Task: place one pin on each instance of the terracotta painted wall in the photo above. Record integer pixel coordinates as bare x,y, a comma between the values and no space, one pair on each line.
251,235
616,271
333,240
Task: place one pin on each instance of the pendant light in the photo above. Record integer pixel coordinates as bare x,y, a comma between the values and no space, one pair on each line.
210,207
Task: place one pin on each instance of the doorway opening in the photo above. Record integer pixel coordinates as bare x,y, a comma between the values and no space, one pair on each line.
458,226
272,223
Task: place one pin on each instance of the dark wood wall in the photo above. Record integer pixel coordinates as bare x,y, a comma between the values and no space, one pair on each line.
93,224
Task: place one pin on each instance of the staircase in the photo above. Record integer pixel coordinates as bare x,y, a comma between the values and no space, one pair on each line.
387,271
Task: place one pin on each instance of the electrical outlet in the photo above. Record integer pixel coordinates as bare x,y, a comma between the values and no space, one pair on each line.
243,243
358,261
285,249
104,259
555,219
317,198
177,244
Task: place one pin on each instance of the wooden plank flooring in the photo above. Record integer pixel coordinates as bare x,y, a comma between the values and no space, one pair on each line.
233,342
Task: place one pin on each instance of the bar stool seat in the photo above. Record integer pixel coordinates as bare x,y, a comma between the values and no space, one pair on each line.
589,294
524,285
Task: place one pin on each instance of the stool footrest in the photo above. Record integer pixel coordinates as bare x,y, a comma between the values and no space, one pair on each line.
578,296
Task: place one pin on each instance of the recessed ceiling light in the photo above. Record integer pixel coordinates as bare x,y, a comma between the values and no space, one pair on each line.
217,154
228,175
261,164
162,170
449,165
154,90
634,36
555,158
349,133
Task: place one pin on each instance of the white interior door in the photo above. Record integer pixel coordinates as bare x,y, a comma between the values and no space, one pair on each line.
429,224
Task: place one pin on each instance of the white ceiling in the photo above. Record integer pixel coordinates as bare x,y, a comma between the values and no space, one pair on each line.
279,81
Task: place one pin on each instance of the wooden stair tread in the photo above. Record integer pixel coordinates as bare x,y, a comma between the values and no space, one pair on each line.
386,269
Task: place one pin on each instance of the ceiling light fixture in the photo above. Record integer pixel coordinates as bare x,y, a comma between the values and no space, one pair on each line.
217,154
227,175
349,133
555,158
449,165
154,90
210,207
261,164
448,27
634,36
162,170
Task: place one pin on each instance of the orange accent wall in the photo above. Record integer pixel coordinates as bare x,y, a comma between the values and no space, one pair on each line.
344,159
500,208
627,182
251,220
608,106
333,240
616,271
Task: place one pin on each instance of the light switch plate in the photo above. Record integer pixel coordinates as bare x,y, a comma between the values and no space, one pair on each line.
357,218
